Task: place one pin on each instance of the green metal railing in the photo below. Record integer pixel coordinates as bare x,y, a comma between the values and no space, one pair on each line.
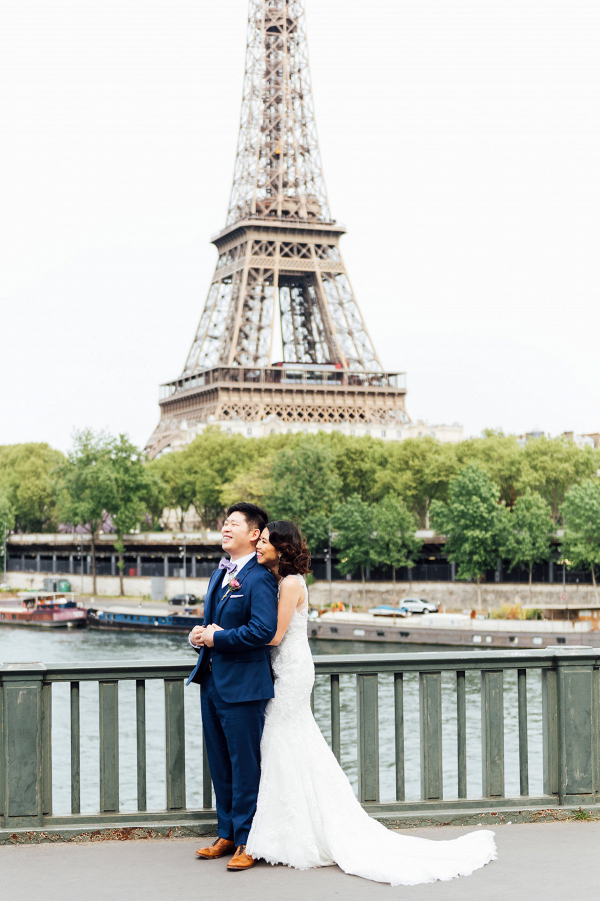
570,728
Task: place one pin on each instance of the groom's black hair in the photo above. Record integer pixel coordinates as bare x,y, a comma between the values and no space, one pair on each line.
254,516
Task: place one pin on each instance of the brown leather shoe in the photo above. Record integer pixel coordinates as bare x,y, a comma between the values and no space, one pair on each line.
218,849
240,860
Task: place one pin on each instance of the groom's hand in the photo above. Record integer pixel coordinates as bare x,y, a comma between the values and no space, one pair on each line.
208,636
195,636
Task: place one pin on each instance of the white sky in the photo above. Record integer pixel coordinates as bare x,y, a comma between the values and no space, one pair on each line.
460,145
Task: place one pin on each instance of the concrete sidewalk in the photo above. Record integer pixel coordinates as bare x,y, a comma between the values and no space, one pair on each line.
548,861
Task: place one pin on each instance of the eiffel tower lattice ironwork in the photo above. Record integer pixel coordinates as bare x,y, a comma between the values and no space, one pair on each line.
279,268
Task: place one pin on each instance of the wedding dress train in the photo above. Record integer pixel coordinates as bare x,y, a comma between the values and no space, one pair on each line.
307,813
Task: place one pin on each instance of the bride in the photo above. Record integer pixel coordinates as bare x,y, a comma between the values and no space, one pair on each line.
307,813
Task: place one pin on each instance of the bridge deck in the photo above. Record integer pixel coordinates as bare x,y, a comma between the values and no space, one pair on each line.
536,861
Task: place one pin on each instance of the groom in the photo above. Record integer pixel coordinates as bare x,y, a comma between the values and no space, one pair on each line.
234,673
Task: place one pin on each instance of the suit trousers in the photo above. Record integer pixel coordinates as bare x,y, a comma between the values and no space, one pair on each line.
232,733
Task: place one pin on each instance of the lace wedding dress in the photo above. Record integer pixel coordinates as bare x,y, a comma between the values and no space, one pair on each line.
307,813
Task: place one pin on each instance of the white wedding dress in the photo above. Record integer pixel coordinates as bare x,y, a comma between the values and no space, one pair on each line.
307,813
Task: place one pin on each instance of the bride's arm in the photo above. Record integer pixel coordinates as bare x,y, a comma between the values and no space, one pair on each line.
289,598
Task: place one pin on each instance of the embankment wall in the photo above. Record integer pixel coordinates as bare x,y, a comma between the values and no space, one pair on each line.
450,595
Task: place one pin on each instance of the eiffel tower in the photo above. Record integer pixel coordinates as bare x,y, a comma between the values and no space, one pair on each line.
279,270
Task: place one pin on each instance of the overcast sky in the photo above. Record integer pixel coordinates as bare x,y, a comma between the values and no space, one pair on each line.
460,147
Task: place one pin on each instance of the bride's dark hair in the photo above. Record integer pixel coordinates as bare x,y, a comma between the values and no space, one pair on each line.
286,538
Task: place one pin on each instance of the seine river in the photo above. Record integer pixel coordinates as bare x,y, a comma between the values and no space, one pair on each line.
88,646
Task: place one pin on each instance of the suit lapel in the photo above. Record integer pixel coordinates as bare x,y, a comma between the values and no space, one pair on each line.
224,594
210,593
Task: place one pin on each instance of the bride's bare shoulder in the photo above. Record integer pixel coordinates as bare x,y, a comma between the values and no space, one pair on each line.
293,586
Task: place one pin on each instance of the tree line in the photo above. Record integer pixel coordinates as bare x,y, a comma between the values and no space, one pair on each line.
492,497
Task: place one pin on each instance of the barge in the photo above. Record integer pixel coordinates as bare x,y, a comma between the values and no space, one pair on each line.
48,610
127,620
454,629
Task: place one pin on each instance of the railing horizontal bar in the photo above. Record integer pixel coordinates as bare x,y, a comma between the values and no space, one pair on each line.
543,801
375,809
544,658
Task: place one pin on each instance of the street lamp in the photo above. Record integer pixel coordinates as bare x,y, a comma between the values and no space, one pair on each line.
81,549
329,564
182,553
4,552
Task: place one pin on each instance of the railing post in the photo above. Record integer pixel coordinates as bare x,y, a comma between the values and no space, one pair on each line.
492,733
596,729
523,743
2,755
550,730
75,750
461,732
109,746
399,735
140,715
175,744
430,715
47,749
22,739
368,737
335,716
577,730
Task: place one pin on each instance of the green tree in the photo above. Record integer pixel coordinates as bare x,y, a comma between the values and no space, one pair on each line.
305,487
581,541
475,523
354,537
357,463
7,522
90,484
211,461
134,487
29,480
554,465
419,471
395,541
177,487
529,531
500,456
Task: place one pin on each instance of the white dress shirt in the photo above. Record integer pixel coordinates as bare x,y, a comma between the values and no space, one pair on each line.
227,577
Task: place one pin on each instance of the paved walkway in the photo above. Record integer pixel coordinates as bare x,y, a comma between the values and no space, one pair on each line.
548,861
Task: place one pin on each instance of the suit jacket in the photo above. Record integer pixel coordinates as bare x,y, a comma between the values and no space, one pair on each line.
241,660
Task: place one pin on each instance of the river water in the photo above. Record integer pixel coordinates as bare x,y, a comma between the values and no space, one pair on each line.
89,646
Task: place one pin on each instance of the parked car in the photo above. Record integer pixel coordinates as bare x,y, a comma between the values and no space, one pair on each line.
388,610
418,605
184,600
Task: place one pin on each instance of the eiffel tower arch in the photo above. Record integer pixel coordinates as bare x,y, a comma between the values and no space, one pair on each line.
280,270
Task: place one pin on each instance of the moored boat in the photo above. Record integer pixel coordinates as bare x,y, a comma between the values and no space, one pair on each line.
126,619
50,610
455,629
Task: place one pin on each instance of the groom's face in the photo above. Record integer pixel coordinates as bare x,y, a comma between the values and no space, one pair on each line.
237,537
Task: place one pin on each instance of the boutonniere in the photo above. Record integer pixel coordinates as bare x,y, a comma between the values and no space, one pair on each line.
233,585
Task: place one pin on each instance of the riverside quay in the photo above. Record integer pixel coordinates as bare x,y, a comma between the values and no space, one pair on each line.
193,555
42,716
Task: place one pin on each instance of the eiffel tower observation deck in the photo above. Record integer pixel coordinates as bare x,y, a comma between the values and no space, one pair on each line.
280,273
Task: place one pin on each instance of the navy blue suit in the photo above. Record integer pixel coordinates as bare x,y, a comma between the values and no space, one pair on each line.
236,683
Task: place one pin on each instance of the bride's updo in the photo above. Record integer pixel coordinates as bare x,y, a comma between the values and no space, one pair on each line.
288,541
